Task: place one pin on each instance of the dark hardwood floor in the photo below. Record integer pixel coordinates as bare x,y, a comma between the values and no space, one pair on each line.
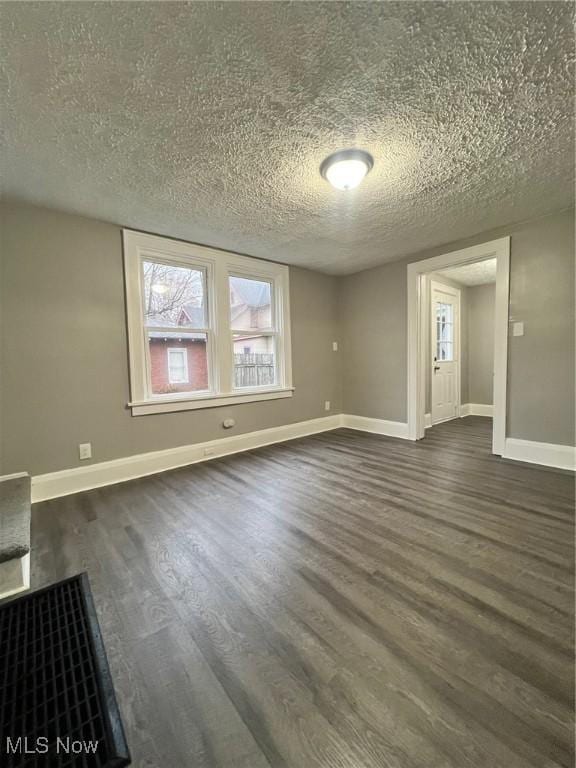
340,601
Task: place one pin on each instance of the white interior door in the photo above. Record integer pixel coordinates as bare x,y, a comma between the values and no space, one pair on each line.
445,347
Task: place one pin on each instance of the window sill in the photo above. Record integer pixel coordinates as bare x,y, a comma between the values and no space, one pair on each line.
206,401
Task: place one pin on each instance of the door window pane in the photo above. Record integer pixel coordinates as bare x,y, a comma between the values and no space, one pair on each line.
254,360
173,296
178,362
444,351
444,332
444,312
250,304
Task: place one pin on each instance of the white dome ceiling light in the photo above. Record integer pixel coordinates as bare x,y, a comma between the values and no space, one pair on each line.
347,168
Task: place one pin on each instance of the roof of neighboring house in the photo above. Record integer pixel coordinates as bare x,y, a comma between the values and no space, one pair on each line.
249,294
195,315
254,294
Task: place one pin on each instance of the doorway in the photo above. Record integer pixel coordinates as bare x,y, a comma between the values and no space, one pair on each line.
420,337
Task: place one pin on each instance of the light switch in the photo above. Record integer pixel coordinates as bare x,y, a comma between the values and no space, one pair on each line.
517,329
334,346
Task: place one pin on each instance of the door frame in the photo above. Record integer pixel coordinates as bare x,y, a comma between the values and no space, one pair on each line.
417,328
457,293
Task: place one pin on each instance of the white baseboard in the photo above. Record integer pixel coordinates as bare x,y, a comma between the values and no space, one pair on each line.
468,409
13,476
548,454
67,481
476,409
378,426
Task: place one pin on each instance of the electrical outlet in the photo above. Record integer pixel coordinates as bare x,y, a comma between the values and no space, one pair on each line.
327,405
209,451
85,451
334,346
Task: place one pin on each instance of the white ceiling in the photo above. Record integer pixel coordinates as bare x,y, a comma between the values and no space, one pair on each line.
480,273
208,121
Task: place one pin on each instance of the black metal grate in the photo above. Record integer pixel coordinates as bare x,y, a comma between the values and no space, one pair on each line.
56,692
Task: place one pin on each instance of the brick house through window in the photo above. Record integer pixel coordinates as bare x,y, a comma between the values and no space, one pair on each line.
179,361
178,358
165,363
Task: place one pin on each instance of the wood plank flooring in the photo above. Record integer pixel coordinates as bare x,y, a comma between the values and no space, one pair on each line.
341,601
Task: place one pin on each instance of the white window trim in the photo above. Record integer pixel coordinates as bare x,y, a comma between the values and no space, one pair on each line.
218,266
183,352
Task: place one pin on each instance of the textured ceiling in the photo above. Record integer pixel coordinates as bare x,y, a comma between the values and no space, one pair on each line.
208,121
479,273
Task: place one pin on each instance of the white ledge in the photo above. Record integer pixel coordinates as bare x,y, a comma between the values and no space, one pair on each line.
167,405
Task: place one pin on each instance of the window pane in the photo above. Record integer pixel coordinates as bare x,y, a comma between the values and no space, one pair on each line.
444,351
254,361
444,312
173,296
250,304
178,362
444,331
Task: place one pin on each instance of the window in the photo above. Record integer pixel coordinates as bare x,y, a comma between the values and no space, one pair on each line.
205,327
178,365
251,309
444,332
175,327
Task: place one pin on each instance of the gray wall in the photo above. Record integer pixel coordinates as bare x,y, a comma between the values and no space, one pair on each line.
541,363
373,307
64,354
479,341
64,371
373,332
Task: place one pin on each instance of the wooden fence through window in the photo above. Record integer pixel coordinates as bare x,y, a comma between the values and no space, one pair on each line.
253,369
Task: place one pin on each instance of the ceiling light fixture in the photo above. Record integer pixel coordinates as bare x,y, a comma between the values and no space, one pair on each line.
347,168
